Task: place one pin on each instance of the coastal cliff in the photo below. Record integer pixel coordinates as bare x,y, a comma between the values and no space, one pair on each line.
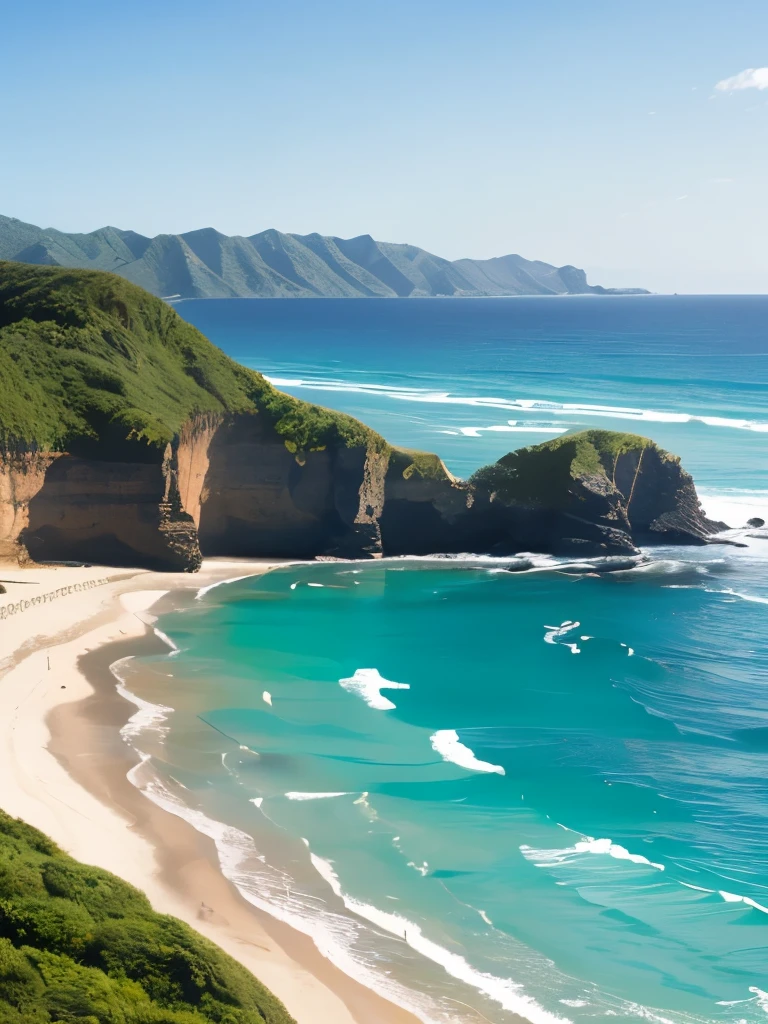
127,438
595,491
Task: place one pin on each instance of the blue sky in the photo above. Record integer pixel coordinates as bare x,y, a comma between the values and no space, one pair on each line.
589,133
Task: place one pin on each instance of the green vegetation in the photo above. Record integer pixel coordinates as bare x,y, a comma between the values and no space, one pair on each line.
410,462
543,474
86,356
79,945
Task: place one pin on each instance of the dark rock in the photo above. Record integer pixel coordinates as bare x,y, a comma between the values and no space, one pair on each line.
229,484
756,523
126,512
520,565
597,492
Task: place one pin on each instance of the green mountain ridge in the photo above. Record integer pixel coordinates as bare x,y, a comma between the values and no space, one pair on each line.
272,264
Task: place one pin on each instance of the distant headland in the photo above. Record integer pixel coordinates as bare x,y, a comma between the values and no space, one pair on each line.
206,264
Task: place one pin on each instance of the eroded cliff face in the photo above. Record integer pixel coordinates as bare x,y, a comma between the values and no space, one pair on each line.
126,512
659,499
22,475
193,460
230,485
261,499
423,513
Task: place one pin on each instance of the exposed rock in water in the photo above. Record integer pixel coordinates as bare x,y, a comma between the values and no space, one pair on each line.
756,523
595,492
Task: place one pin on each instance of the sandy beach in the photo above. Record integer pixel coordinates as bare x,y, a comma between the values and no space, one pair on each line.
60,628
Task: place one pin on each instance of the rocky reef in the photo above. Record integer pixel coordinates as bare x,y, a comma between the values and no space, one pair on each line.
127,438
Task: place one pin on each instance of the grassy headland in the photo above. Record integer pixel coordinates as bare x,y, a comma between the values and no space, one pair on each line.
83,353
543,474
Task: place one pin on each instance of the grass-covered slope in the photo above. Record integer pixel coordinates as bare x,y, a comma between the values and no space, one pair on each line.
543,474
79,944
85,354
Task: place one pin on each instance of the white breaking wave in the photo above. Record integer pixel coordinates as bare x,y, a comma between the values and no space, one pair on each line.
729,897
314,796
368,684
447,744
732,897
267,697
555,634
167,640
507,993
736,593
513,427
566,855
572,409
734,506
148,716
220,583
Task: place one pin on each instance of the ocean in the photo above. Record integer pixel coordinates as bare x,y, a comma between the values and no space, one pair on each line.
495,796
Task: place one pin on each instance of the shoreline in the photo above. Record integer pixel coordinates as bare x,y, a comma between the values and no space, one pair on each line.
65,773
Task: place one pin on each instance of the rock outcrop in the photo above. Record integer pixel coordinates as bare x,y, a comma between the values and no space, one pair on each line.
596,492
259,498
228,485
22,475
126,512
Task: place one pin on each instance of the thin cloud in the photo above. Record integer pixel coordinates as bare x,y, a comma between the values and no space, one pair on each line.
677,200
751,78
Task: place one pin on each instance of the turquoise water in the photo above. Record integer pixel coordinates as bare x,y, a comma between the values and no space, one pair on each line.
487,794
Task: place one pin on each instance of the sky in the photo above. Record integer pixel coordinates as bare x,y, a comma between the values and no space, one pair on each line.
627,138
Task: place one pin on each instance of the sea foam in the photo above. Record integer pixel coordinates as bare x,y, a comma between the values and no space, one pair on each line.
313,796
565,855
525,405
368,684
447,744
148,716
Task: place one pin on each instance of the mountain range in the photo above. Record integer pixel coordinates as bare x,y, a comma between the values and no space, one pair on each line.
272,264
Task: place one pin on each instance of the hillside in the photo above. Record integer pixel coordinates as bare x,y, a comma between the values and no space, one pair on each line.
86,357
271,264
77,943
127,437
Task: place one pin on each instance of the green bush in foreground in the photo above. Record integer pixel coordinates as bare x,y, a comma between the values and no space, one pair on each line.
79,945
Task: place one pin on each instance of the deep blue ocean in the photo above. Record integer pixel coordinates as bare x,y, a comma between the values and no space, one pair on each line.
490,795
